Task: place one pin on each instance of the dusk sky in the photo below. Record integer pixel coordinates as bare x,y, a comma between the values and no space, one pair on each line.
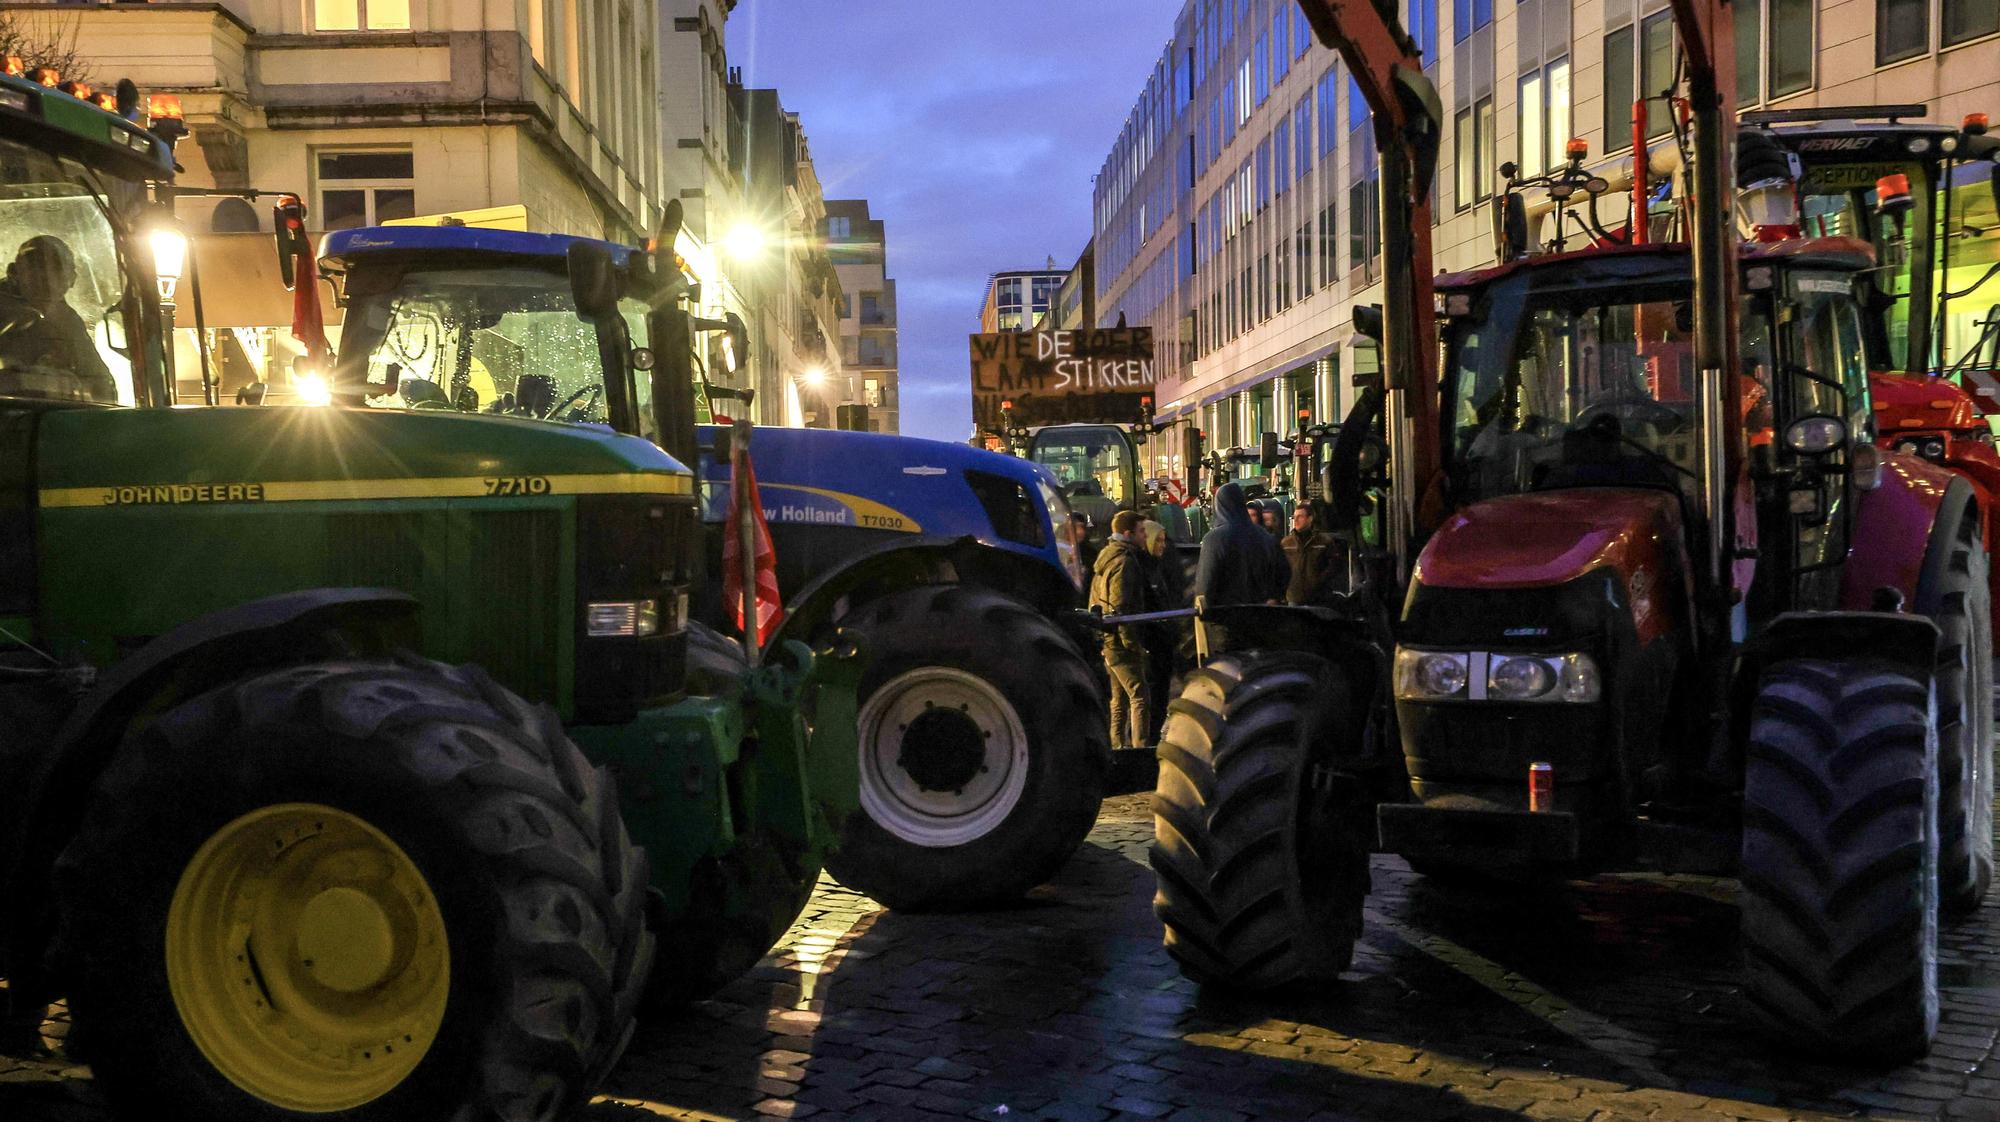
973,130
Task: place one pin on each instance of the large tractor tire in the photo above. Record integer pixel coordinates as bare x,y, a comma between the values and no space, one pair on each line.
1260,848
1840,860
983,752
358,890
1965,724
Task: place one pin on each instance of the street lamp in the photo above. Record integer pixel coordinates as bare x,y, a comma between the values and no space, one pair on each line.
745,240
170,251
813,376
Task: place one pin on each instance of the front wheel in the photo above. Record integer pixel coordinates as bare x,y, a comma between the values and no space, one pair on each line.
1840,860
362,890
1260,848
983,754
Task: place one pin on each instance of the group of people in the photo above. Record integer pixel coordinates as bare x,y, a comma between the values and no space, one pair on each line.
1243,561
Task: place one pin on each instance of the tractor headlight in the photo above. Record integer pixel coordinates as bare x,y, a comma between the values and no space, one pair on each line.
1486,676
1431,675
1519,679
622,619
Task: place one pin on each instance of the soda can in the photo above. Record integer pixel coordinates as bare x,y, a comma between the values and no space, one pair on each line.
1541,787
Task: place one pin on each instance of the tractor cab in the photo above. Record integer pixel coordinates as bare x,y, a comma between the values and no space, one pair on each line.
1096,467
478,321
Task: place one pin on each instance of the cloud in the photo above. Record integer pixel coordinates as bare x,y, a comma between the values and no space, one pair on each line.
973,130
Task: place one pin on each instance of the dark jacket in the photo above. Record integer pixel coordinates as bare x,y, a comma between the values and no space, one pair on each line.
1118,587
1311,556
1240,561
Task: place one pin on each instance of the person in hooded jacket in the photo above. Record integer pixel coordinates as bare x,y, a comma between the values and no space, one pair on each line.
1240,562
1118,587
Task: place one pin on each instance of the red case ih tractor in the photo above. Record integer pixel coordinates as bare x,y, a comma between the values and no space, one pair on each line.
1652,599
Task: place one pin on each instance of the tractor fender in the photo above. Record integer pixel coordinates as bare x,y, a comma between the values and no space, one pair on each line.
1902,532
200,654
928,559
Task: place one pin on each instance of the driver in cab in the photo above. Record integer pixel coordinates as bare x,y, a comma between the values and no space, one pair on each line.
45,348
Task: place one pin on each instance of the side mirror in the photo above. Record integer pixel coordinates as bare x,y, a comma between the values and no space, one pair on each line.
1267,452
1510,220
1368,321
288,222
593,280
735,343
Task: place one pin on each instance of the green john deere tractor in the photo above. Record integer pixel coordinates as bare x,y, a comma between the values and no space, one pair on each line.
280,861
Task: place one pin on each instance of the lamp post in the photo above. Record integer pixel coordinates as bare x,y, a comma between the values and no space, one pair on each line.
170,250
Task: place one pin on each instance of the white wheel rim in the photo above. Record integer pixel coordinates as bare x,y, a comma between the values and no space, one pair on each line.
944,758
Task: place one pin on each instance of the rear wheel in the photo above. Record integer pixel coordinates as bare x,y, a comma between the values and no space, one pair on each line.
1840,860
983,754
1965,724
356,890
1260,850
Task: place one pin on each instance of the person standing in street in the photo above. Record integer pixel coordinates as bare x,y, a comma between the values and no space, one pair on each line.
1240,562
1166,589
1118,587
1079,537
1310,555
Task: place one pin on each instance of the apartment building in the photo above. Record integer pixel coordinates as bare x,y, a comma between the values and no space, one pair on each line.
783,269
858,244
1237,213
1016,299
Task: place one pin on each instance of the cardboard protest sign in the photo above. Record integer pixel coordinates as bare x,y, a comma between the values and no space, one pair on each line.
1061,377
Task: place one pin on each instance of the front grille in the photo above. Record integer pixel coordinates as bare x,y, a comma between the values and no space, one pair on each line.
630,547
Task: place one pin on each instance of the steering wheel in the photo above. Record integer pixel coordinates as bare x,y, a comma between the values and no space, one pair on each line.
19,318
1663,417
563,408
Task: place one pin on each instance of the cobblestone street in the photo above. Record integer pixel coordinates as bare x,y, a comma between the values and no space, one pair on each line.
1609,1000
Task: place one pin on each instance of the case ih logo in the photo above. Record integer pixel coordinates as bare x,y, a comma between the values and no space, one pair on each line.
1837,144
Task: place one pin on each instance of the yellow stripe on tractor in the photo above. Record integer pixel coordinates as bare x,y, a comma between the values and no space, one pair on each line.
332,490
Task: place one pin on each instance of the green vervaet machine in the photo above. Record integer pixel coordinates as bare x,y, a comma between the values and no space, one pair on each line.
309,717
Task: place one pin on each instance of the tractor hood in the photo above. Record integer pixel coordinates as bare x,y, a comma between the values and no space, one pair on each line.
178,456
1551,538
1916,402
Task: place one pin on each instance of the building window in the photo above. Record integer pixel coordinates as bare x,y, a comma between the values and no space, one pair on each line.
1544,124
1966,20
841,227
365,188
1656,55
1469,16
361,15
1791,46
1474,154
1423,25
1617,89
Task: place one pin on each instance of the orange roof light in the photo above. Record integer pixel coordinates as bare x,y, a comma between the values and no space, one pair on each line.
1975,124
45,75
163,106
107,102
77,90
1577,148
15,66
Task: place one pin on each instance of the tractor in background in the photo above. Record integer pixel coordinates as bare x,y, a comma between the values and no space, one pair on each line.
1651,597
278,857
982,743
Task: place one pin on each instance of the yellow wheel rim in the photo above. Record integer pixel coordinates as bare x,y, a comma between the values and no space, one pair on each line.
308,958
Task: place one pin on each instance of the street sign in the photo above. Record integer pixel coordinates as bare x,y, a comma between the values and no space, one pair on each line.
1025,379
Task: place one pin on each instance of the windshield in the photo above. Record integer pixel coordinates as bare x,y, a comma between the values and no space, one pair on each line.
1576,393
62,325
1838,200
1085,464
497,340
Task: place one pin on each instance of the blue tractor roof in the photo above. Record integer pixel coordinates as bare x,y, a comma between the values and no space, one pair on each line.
344,247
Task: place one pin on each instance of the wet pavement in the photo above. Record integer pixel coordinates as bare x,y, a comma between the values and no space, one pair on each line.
1611,999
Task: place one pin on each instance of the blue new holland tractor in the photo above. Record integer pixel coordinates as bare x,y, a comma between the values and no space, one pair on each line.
983,749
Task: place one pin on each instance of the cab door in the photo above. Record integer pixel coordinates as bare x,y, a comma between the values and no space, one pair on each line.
1823,372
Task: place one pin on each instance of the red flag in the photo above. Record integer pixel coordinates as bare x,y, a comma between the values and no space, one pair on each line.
743,490
308,321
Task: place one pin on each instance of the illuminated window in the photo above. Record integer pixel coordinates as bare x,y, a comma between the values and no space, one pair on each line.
361,15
